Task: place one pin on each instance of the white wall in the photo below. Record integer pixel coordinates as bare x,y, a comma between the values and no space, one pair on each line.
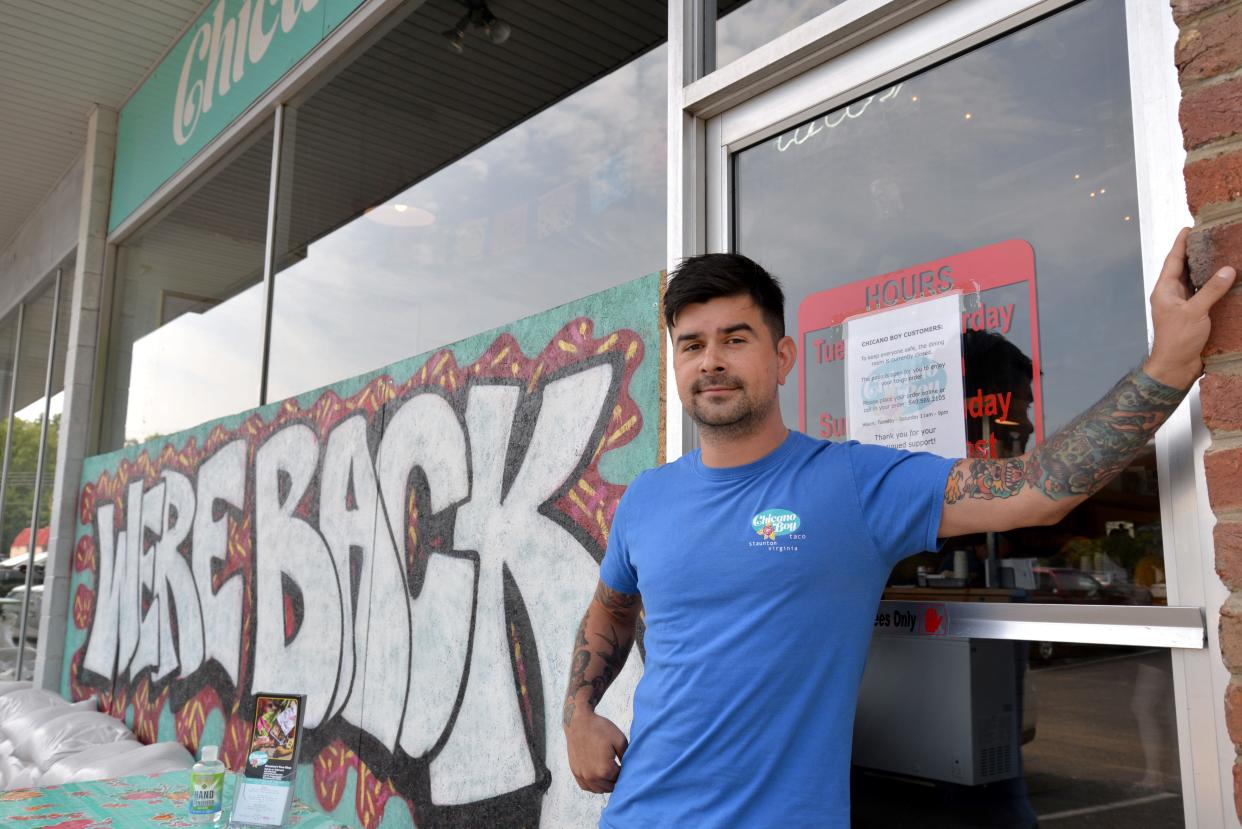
48,236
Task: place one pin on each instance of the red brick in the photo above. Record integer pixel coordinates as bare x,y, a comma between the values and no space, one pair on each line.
1224,479
1227,538
1226,336
1212,248
1237,789
1233,712
1221,395
1211,113
1215,180
1230,639
1211,47
1184,9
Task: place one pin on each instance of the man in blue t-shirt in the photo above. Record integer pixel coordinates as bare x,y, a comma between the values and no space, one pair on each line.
758,561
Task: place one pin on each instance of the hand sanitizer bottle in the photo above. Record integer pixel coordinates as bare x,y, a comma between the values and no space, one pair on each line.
207,788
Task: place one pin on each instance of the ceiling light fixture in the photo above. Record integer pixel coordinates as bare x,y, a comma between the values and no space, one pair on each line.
478,18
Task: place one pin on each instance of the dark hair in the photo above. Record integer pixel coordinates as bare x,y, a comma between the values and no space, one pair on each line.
714,275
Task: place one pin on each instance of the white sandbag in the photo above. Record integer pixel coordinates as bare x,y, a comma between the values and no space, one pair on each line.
10,685
6,748
19,775
62,770
69,734
152,759
25,701
20,729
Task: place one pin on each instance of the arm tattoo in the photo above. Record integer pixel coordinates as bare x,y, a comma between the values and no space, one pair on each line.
615,601
577,672
614,661
612,656
1081,458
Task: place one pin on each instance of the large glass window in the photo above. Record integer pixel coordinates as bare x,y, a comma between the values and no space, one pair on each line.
976,734
1007,173
32,400
187,319
457,176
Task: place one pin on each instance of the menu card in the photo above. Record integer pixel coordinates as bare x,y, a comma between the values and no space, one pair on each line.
264,791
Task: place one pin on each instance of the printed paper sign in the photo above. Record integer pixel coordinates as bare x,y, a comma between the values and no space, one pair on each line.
1003,406
904,379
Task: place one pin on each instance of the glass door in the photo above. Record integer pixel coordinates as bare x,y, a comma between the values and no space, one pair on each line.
1015,678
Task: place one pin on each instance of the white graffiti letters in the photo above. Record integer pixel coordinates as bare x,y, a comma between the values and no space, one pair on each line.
293,551
390,556
126,637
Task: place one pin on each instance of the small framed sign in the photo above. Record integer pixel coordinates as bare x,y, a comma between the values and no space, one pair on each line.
264,792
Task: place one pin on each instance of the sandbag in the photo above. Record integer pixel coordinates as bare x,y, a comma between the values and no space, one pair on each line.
18,729
25,701
20,775
10,685
63,769
67,735
152,759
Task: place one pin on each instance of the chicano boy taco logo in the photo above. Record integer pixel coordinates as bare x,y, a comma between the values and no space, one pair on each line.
772,523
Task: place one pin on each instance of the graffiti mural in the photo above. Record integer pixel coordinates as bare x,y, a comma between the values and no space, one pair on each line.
411,549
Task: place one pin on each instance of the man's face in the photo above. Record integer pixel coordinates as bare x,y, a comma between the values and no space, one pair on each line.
728,368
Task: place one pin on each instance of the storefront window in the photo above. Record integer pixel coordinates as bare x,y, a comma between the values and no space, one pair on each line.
19,448
434,193
28,415
744,25
187,325
976,734
1007,173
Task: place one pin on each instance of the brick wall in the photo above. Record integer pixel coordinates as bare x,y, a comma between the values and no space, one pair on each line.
1209,64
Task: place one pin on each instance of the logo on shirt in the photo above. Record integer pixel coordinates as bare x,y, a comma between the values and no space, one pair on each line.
773,523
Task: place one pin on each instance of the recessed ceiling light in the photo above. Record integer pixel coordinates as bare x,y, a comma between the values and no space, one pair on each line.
400,215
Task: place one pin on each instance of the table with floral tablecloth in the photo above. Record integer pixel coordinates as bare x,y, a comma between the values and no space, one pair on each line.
145,800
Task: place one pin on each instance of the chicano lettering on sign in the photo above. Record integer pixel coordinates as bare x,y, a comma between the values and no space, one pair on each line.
221,50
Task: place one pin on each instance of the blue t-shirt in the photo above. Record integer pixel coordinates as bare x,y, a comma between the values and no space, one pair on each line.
759,584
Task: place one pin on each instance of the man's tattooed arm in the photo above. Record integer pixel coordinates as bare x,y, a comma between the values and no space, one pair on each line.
601,646
1042,485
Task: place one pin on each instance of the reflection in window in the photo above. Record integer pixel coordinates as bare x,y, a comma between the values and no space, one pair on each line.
187,321
744,25
430,198
28,414
1006,173
1008,735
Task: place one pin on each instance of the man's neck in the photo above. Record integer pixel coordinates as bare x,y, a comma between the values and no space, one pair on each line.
722,451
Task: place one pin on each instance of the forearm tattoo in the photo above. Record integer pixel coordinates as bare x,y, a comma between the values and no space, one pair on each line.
1081,458
585,671
614,601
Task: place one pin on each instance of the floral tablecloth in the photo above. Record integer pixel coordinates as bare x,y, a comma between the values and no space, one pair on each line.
154,800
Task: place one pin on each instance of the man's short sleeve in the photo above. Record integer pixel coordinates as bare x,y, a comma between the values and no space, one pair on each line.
901,495
616,570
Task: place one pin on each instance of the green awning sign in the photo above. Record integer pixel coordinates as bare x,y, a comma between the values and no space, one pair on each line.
233,53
